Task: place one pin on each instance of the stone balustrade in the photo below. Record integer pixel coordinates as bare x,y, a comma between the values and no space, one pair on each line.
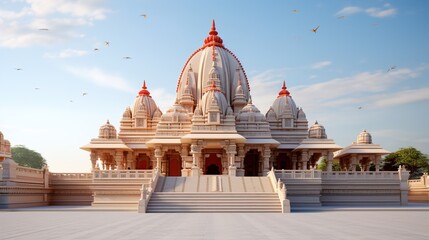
122,174
70,176
297,174
360,175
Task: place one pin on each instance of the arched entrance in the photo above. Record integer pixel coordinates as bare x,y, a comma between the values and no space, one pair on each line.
143,162
213,165
251,163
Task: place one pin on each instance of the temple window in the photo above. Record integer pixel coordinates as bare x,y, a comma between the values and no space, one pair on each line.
214,118
141,122
287,122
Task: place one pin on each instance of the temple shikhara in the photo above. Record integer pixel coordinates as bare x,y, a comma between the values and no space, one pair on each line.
213,150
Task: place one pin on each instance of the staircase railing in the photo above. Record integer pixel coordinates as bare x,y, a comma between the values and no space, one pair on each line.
280,188
147,190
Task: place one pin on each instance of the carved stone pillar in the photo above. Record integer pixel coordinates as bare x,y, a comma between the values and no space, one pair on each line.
330,158
119,156
304,160
231,150
240,157
196,152
94,158
377,163
130,164
266,163
158,156
353,160
294,160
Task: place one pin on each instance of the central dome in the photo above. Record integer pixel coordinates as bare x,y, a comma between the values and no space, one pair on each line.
213,64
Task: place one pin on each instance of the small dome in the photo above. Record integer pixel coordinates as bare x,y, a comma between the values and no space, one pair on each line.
144,100
107,131
250,113
271,115
214,94
127,113
317,131
301,114
364,138
284,102
176,113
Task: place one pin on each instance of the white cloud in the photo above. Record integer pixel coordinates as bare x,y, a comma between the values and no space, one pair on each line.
403,97
349,10
380,13
61,17
321,65
101,78
353,90
387,11
67,53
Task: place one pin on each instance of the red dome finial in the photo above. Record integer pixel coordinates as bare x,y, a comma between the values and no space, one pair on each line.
213,29
144,91
284,91
213,39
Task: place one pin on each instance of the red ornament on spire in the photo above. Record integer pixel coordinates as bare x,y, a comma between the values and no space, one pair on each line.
213,39
144,91
284,91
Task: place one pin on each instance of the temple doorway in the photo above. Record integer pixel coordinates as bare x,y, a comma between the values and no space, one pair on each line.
143,162
251,163
213,165
175,167
283,162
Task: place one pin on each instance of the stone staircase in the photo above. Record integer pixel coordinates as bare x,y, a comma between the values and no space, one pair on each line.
217,194
180,202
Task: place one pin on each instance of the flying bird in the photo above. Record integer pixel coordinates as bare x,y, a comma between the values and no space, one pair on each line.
18,69
295,11
126,57
315,29
342,17
95,49
143,15
360,107
107,43
71,101
391,68
84,94
43,29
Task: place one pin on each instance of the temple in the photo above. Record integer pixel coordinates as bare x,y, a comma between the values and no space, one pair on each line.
214,128
212,151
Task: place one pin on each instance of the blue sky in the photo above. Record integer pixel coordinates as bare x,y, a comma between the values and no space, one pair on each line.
338,75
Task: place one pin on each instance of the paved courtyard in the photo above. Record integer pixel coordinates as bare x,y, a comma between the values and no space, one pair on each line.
386,224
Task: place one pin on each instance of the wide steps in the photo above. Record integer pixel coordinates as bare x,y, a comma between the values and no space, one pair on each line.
168,202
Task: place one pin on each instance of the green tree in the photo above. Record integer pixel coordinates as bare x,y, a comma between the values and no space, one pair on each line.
323,165
27,157
413,160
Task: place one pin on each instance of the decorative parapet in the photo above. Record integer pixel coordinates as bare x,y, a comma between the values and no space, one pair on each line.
360,175
298,174
121,174
70,176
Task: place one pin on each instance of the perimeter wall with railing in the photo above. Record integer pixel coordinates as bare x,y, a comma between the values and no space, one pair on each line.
26,187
